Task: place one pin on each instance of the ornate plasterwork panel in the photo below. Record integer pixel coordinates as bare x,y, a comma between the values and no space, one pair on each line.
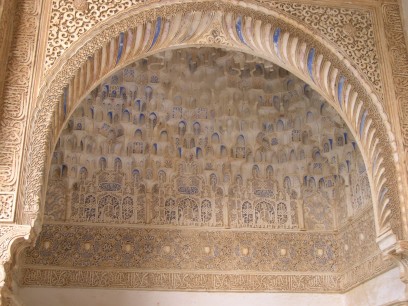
181,281
350,29
70,19
196,250
33,202
200,160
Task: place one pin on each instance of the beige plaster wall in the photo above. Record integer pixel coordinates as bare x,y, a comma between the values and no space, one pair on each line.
382,290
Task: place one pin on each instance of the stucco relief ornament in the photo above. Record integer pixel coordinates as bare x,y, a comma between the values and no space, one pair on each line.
80,5
349,30
6,209
215,35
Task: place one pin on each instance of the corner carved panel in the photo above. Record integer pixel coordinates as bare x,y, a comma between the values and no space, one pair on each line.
8,233
350,29
71,19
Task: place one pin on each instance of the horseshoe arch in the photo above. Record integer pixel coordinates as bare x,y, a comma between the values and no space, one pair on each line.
137,33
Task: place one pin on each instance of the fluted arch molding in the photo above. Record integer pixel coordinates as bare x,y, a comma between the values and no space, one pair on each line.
138,32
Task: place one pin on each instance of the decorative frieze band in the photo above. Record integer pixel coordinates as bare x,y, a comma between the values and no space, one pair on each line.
147,258
183,281
202,281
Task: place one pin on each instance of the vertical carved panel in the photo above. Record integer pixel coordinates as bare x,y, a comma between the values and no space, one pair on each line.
7,11
16,97
399,62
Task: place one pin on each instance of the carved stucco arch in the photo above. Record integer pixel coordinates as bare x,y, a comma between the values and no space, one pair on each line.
138,32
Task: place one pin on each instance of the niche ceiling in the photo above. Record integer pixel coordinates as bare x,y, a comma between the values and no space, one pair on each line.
205,169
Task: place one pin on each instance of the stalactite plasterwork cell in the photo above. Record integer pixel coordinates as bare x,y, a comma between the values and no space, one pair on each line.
229,147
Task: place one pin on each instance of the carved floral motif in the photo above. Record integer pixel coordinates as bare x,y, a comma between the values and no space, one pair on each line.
99,247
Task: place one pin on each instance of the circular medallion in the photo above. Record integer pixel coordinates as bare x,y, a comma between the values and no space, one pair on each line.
80,5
